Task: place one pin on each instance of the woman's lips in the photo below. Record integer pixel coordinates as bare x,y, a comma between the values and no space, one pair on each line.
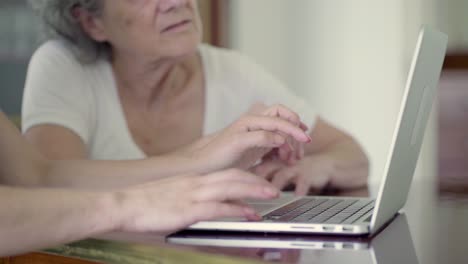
180,26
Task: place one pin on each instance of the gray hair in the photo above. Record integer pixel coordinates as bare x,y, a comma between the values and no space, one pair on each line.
59,22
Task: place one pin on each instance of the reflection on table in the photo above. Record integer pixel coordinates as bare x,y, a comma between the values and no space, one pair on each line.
392,245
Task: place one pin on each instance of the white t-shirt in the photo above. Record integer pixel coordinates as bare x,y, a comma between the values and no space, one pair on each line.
83,97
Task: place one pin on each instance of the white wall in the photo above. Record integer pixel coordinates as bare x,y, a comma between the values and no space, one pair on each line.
455,22
348,58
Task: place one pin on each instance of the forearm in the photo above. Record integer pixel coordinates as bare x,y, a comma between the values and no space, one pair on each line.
348,166
34,219
116,174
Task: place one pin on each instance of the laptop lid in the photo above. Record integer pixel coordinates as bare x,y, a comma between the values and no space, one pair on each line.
420,91
406,143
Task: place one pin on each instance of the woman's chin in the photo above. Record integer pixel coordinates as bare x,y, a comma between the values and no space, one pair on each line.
182,51
182,45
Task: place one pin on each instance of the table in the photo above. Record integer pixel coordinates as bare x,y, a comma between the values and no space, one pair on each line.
437,234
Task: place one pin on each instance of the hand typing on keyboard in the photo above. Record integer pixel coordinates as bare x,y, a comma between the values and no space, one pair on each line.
332,159
310,174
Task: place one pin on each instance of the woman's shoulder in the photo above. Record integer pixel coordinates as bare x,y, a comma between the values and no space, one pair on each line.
55,57
59,55
55,49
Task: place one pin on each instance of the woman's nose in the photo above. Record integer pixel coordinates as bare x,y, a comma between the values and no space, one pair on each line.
169,5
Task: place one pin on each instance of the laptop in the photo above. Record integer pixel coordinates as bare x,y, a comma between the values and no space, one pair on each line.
361,216
393,244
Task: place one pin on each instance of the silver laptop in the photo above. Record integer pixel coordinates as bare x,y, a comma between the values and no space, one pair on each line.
393,244
359,216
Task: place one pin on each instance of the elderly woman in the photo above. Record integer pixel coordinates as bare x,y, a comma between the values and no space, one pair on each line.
129,79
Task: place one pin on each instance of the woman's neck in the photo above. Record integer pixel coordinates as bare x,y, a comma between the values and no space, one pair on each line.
148,82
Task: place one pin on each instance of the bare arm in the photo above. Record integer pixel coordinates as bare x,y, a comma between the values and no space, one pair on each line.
34,219
37,218
22,165
239,145
53,216
348,164
56,142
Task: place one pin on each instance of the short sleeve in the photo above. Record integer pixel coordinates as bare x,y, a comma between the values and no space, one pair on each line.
56,91
268,90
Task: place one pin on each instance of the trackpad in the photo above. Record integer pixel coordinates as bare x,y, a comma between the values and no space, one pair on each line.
263,207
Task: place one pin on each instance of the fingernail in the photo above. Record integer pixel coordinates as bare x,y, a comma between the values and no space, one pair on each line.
249,211
252,215
305,138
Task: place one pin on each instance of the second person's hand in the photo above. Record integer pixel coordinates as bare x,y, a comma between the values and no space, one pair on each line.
177,202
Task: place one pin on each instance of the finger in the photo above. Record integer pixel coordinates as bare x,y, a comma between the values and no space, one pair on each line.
287,150
304,127
283,112
250,212
271,156
232,175
301,151
267,168
302,186
293,156
214,210
292,160
318,182
233,190
283,178
239,202
284,152
259,139
294,152
273,124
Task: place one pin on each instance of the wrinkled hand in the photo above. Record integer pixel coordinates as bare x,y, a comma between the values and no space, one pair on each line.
177,202
295,149
310,174
251,137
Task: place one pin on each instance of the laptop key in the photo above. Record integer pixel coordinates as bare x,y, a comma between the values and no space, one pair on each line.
302,209
287,208
347,212
313,212
359,213
331,212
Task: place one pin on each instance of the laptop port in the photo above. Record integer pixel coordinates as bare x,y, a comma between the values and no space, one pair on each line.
348,246
328,228
328,245
347,228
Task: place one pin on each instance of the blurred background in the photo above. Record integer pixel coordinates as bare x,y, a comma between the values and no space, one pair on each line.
349,59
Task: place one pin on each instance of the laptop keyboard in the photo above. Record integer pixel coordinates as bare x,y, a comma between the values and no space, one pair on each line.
322,210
